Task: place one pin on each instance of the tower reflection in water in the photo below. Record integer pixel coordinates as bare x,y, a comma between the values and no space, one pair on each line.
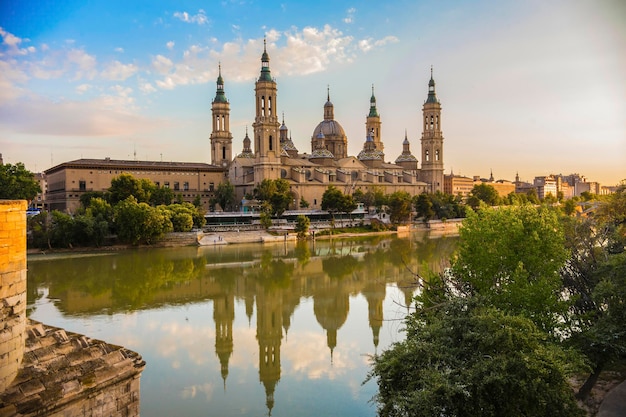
271,280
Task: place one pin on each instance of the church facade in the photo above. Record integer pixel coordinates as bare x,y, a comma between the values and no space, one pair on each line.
271,153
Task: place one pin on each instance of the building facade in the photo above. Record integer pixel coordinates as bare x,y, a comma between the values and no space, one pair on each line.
274,154
66,182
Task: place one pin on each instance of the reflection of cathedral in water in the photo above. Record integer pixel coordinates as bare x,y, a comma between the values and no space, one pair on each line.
270,281
329,281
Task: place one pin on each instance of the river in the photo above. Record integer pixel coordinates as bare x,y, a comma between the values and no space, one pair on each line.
284,329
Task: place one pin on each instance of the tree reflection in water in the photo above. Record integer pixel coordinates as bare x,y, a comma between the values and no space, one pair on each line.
270,280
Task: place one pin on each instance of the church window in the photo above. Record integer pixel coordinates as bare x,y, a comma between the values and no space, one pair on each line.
269,106
431,122
223,152
427,156
436,122
437,155
271,143
262,106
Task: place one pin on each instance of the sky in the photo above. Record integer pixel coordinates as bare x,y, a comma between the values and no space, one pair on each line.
530,87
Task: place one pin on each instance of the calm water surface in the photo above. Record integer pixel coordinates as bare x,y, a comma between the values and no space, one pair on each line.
243,330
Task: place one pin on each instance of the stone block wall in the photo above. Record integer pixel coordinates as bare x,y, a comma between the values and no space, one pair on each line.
12,288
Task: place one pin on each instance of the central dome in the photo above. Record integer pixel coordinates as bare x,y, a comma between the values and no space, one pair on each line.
329,128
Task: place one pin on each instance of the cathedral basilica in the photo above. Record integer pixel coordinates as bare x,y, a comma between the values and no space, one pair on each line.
274,155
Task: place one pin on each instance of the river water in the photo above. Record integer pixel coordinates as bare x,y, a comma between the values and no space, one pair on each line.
283,329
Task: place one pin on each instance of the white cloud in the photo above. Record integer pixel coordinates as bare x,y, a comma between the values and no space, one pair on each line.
162,64
13,42
170,45
200,18
119,49
349,16
117,71
84,63
83,88
368,44
146,88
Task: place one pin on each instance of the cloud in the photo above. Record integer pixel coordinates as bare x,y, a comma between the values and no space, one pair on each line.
108,115
83,88
349,16
117,71
368,44
200,18
146,88
12,43
161,64
119,49
83,63
170,45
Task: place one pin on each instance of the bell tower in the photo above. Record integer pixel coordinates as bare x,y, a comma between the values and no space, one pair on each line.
372,123
221,138
432,140
266,124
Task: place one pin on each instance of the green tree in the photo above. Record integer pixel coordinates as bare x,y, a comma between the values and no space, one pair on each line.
485,193
281,198
447,206
61,230
463,358
532,197
595,278
161,196
17,183
302,226
569,207
512,256
181,216
225,195
86,197
139,223
332,200
400,207
125,185
424,207
303,203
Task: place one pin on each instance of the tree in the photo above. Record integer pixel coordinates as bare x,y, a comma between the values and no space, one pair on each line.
332,200
424,207
463,358
399,207
303,203
86,197
126,185
161,196
595,279
225,195
281,198
446,206
17,183
302,226
139,223
512,256
485,193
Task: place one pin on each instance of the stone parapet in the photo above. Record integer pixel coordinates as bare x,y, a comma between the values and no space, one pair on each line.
12,288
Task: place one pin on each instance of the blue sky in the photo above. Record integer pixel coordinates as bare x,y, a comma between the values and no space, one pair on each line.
533,87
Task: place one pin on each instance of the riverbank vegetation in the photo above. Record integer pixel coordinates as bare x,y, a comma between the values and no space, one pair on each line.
134,211
533,298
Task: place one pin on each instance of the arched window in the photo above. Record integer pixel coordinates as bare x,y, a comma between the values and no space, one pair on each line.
271,143
437,155
262,106
223,152
427,156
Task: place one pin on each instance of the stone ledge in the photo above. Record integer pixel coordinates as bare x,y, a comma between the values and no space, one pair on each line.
63,371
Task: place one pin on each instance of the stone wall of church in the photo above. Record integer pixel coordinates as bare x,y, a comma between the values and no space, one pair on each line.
12,288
